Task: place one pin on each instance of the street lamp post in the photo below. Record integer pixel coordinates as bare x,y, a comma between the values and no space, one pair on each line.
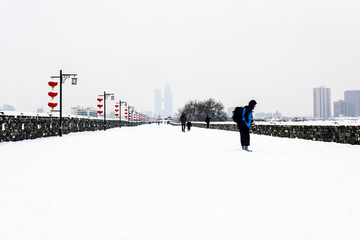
105,96
120,102
129,113
63,78
132,115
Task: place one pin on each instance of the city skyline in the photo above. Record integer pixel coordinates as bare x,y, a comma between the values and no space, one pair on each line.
231,51
350,107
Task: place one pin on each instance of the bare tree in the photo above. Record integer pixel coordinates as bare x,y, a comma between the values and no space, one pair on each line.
198,110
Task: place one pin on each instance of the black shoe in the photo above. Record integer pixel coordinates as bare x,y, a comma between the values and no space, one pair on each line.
246,148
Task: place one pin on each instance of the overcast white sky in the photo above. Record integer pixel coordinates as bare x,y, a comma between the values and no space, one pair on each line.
274,51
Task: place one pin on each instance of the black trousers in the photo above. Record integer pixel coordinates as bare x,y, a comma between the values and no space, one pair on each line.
244,135
183,127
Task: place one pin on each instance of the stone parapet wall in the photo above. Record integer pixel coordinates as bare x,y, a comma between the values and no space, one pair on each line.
17,128
339,134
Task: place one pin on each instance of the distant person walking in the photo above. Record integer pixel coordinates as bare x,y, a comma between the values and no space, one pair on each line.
183,121
245,123
207,120
188,125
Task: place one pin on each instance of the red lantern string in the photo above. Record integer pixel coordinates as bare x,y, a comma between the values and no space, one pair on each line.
53,84
52,94
52,105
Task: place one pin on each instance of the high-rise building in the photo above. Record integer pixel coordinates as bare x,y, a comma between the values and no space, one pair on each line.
158,102
168,101
164,106
339,108
322,102
352,103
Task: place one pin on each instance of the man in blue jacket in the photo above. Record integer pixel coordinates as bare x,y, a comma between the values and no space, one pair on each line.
245,124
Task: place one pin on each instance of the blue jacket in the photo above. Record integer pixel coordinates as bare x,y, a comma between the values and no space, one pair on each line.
247,116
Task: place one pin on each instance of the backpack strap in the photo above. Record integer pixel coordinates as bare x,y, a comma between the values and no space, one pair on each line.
243,114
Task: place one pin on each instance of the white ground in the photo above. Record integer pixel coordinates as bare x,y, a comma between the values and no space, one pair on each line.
155,182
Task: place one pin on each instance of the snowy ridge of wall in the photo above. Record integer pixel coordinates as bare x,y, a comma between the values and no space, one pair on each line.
17,128
339,134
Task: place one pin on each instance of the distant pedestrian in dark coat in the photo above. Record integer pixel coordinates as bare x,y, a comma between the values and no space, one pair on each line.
207,120
245,124
188,125
183,121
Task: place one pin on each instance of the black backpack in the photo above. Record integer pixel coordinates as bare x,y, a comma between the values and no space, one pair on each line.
237,114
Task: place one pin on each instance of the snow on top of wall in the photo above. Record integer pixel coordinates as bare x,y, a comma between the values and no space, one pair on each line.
51,114
335,122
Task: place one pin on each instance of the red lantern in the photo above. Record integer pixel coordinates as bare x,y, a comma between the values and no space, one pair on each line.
52,94
100,106
116,105
116,114
100,112
100,99
53,84
116,110
52,105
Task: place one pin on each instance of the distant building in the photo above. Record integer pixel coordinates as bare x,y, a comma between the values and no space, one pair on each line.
166,109
339,108
158,101
8,108
352,103
230,111
148,113
322,102
40,110
168,101
262,115
80,111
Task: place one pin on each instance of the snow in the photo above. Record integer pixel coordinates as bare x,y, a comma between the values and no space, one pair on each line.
155,182
338,122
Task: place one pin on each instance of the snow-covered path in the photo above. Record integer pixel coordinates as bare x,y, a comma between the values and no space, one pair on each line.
155,182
